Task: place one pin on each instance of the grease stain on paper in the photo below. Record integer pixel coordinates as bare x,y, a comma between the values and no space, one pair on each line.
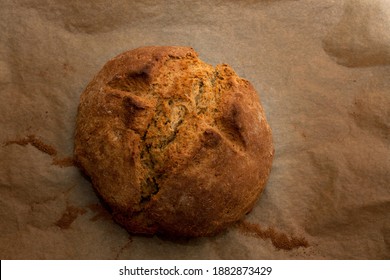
43,147
280,240
99,211
35,142
71,213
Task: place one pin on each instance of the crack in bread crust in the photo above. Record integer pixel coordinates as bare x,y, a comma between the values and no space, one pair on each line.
176,102
188,91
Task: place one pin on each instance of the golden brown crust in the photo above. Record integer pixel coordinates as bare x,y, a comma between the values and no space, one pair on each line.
172,144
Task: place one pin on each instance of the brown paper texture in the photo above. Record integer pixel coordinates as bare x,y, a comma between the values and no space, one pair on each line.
322,70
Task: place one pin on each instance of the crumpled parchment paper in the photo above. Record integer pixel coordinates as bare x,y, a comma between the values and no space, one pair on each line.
322,70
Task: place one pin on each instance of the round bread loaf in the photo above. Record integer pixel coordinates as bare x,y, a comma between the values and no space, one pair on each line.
173,145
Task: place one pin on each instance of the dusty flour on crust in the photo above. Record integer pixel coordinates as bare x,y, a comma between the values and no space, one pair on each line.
172,144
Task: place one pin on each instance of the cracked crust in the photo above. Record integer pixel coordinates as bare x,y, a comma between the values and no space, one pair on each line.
172,144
